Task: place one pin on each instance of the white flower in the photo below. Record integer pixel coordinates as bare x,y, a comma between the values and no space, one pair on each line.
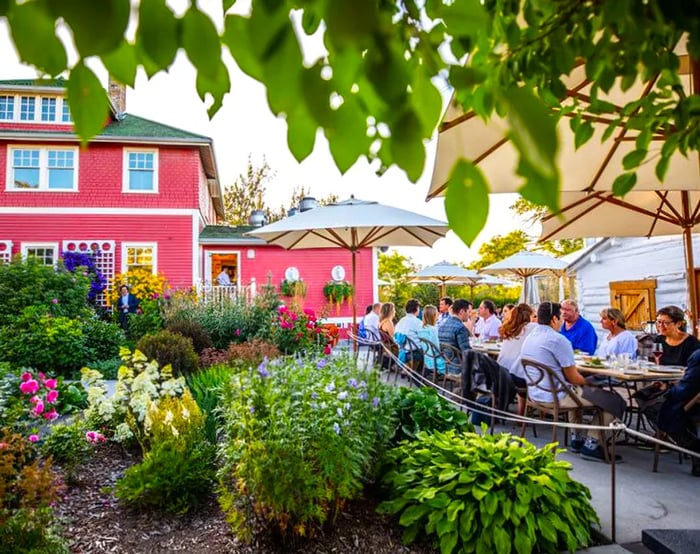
168,419
185,413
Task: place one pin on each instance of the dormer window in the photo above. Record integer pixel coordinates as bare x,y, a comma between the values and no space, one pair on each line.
34,108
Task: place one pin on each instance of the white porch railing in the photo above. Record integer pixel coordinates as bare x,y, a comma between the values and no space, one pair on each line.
215,294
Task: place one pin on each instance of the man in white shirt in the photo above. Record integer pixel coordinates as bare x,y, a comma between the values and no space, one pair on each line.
444,309
223,279
409,325
371,321
488,324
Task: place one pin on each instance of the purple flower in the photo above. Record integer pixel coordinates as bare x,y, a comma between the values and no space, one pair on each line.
314,395
252,409
330,387
342,395
55,301
336,428
363,384
322,362
364,395
339,411
352,383
375,401
262,368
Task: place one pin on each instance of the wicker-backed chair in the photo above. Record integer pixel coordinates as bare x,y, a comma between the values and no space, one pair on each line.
433,357
388,345
543,377
454,364
413,360
372,345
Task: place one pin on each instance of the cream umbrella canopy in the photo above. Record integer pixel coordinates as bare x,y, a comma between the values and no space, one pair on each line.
445,273
589,172
525,265
353,224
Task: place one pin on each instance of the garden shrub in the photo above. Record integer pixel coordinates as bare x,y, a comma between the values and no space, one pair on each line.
123,414
423,409
206,387
37,339
30,283
72,397
67,446
109,369
28,488
301,439
487,493
142,283
240,355
297,331
177,472
170,349
102,340
147,321
194,331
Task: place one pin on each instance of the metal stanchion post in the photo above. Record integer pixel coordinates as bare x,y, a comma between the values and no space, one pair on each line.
612,488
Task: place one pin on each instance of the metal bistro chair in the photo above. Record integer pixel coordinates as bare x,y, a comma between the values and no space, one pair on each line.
432,356
454,358
373,347
413,361
695,401
543,377
486,378
388,343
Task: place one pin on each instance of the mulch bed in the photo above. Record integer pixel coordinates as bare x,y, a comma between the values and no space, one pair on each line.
94,521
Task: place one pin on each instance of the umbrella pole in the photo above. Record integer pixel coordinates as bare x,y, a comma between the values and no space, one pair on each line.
354,301
692,282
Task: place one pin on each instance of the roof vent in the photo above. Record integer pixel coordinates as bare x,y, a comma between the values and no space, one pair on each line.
257,218
292,211
308,203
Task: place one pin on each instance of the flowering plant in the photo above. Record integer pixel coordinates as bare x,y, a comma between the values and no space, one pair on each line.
73,261
297,331
142,283
39,395
318,422
337,292
293,288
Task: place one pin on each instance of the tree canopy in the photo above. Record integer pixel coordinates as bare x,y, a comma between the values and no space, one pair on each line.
374,92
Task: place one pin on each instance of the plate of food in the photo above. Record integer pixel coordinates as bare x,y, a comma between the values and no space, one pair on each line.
594,362
667,369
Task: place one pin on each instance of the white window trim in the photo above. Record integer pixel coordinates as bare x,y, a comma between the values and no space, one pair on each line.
126,245
125,170
60,100
53,245
43,167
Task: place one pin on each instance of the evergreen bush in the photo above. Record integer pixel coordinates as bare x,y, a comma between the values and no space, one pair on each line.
170,349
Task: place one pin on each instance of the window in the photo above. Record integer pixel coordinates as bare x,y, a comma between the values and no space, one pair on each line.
5,251
139,256
45,253
7,108
42,169
140,171
65,111
48,109
27,108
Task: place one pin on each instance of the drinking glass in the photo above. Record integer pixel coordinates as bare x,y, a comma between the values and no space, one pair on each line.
657,350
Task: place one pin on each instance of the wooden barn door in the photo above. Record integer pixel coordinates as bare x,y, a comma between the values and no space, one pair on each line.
636,300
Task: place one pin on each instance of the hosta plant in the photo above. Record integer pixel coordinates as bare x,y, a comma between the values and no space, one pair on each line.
301,437
487,493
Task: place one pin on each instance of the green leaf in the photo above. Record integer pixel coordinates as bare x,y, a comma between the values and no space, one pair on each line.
501,540
282,69
201,42
217,87
122,63
522,542
90,38
34,34
4,7
448,542
633,159
351,23
427,103
624,183
301,133
467,192
158,32
347,138
236,38
662,167
583,133
88,102
407,146
413,514
464,18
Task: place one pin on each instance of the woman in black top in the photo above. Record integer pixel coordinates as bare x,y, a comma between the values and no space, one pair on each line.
677,344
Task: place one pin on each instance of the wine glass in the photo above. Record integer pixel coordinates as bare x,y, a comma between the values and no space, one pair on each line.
657,350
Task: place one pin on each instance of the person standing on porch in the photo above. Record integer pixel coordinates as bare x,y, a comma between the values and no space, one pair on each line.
223,279
578,330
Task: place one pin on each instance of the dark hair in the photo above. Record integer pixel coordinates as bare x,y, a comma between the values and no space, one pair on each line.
489,305
514,325
369,309
675,313
447,300
412,306
459,305
547,311
124,286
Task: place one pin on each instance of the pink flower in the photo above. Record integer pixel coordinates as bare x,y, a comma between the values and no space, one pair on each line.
3,445
238,332
166,297
327,350
53,414
33,438
50,383
34,399
94,437
38,408
52,396
42,377
55,301
29,387
26,376
156,296
309,312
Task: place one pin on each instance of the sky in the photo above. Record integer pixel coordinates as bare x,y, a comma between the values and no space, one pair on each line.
245,127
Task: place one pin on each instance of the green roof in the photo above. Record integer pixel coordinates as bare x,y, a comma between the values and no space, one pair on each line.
228,233
60,82
134,126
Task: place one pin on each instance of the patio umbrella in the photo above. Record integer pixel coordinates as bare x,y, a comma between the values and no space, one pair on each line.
445,273
588,174
353,224
526,264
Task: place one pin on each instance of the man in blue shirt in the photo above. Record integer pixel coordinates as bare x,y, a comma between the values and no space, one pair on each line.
453,331
578,330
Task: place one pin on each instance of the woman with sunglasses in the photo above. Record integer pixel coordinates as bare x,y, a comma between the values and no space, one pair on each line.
677,344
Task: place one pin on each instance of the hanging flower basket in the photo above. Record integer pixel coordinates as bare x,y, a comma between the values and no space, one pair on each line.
337,292
295,289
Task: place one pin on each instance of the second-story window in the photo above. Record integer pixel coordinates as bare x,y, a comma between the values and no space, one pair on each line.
140,171
48,109
7,108
33,168
27,108
65,112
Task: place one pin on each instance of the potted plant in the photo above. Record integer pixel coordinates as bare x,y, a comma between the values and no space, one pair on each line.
294,289
337,292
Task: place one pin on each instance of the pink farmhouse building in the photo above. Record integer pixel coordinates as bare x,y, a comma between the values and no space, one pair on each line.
141,194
